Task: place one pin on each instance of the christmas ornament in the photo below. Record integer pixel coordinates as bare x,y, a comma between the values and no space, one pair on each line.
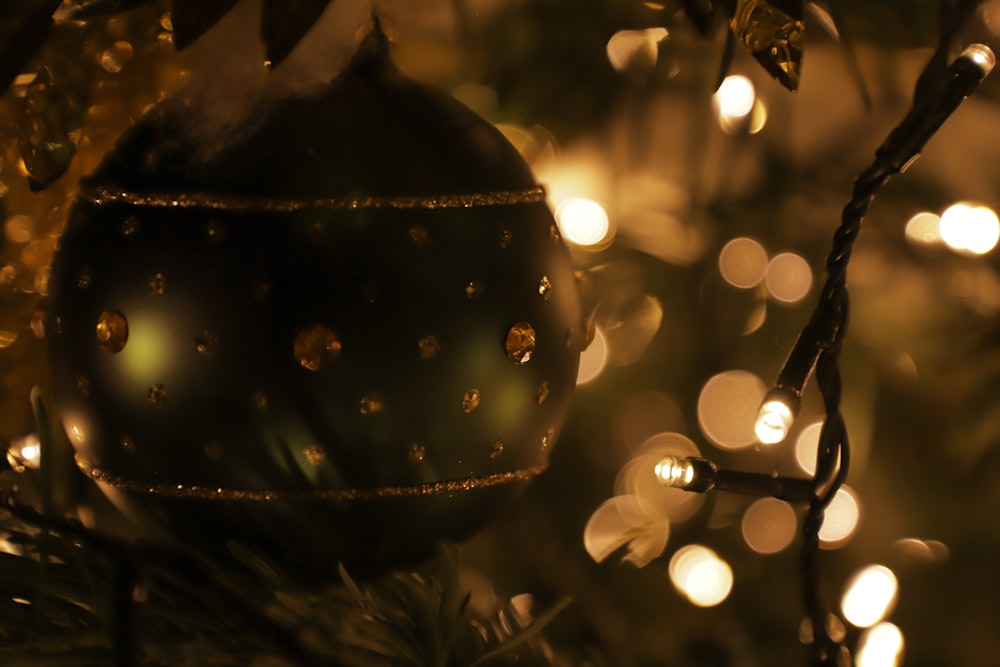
349,332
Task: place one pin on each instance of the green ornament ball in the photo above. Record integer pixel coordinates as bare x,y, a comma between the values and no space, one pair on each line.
346,333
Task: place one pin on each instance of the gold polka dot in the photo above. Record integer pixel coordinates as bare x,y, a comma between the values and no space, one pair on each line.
419,236
111,331
316,347
128,445
505,237
416,453
471,400
314,454
157,395
83,280
545,287
157,284
520,342
129,226
542,393
474,289
213,231
206,344
496,449
371,403
83,385
429,347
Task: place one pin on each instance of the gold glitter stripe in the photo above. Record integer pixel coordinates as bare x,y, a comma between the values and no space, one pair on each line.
208,493
104,195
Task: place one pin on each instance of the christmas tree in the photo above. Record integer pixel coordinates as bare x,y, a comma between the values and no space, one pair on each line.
478,332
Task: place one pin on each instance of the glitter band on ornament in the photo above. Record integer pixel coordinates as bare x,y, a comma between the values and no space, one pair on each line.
277,495
105,195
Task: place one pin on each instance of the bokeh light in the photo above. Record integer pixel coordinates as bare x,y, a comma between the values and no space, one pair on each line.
582,221
742,262
594,359
788,277
620,522
735,97
769,525
634,48
807,446
970,229
913,551
727,408
842,516
880,646
924,228
869,596
700,575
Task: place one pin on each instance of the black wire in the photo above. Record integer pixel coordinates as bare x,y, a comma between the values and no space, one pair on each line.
938,92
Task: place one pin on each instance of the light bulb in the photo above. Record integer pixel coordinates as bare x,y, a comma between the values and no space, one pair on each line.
774,420
982,55
675,471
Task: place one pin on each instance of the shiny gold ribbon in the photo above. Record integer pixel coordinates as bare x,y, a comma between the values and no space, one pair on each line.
106,195
277,495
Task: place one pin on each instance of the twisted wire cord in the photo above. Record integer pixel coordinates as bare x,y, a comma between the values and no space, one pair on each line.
938,92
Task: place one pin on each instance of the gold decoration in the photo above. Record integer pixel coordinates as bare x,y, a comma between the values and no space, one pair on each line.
104,195
316,347
772,31
416,453
371,403
83,281
206,343
505,237
471,400
157,395
520,342
474,289
545,287
128,445
548,438
429,347
83,385
314,454
420,236
285,495
129,226
157,284
111,330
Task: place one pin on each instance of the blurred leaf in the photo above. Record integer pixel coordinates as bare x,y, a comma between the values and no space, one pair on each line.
829,14
24,26
192,18
284,22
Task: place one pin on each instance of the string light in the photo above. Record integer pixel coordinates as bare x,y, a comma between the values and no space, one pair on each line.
700,475
817,350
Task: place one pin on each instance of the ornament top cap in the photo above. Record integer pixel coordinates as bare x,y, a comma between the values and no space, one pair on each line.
372,133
